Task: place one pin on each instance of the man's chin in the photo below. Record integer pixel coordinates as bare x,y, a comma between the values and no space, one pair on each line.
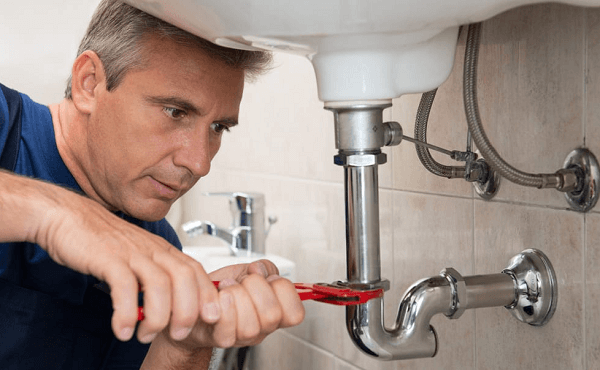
151,210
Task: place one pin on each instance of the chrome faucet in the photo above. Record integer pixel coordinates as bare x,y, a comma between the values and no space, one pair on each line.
247,232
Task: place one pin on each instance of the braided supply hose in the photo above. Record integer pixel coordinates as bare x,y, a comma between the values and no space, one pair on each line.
423,153
555,180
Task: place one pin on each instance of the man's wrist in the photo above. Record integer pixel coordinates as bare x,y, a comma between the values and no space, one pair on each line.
165,353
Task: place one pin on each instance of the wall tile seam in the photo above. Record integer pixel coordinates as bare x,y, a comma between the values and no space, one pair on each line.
310,345
341,361
428,193
307,181
316,348
530,205
584,293
584,125
473,268
271,176
584,103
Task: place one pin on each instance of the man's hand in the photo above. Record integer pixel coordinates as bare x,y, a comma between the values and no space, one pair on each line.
255,301
81,234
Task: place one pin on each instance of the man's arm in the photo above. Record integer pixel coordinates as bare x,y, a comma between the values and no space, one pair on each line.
82,235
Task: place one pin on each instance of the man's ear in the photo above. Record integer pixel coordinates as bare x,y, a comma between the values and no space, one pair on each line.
87,76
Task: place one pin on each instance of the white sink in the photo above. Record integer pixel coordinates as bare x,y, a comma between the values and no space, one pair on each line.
360,49
214,258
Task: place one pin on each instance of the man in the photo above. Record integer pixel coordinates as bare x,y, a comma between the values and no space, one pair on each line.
144,113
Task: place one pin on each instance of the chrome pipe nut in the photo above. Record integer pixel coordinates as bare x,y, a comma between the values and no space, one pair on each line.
359,160
459,292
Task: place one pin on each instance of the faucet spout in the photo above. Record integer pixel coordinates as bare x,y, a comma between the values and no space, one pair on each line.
231,237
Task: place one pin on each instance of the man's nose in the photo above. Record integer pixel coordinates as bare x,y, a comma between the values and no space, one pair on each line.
195,155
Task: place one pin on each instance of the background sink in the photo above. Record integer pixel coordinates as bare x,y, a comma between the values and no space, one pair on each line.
214,258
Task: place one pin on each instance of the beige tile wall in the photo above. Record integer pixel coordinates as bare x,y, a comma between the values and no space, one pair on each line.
539,91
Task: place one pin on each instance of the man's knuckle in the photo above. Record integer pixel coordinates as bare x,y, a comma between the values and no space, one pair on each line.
272,318
249,332
295,317
226,341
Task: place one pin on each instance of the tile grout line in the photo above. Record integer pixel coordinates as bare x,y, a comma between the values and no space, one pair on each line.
384,188
311,346
408,192
344,362
584,118
473,264
585,77
584,290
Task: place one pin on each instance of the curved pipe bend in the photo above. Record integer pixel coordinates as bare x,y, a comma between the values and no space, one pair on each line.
412,336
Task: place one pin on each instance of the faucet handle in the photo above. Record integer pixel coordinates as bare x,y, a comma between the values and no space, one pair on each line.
271,220
243,204
248,227
195,228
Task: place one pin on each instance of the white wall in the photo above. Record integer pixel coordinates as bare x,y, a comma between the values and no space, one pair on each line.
38,43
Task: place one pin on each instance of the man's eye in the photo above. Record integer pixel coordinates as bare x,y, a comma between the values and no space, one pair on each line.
174,113
219,127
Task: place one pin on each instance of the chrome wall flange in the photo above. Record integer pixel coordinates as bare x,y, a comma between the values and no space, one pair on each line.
585,197
536,287
489,188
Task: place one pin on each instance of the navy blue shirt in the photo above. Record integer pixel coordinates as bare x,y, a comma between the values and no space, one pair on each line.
52,317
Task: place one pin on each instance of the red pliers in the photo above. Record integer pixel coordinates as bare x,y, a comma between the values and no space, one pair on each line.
336,293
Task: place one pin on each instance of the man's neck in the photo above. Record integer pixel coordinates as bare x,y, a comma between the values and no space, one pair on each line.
70,135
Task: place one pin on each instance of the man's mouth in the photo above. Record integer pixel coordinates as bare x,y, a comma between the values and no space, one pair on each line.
168,191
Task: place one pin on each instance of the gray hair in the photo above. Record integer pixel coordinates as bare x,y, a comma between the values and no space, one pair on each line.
117,31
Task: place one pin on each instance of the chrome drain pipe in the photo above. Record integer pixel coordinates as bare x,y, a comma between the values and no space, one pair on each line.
362,227
527,287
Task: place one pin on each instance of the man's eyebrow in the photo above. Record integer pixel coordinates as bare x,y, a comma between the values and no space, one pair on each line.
186,106
230,122
174,101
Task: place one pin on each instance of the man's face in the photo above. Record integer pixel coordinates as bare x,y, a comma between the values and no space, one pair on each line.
153,137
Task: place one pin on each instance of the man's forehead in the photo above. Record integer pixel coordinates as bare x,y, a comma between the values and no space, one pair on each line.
153,45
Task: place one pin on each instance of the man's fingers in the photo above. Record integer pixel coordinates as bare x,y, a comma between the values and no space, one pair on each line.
185,294
156,286
193,296
123,291
248,325
208,298
268,307
293,312
252,307
210,309
224,331
263,267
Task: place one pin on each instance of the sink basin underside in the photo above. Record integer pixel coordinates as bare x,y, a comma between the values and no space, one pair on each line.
360,49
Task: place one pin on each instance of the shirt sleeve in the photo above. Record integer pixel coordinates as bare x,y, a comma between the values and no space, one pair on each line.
167,232
3,120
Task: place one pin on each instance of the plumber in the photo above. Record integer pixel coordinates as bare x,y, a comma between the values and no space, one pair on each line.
85,186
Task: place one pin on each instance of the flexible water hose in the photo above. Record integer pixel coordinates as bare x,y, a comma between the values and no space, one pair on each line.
512,174
423,153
